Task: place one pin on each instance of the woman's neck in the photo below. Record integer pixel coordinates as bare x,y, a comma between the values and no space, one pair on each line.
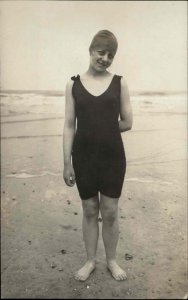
92,72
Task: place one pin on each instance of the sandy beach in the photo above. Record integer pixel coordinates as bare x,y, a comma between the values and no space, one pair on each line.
41,236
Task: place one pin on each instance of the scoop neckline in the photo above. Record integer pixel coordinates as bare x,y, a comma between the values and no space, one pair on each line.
102,92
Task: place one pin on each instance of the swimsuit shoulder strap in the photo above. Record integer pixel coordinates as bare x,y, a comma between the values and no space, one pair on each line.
75,78
118,76
117,84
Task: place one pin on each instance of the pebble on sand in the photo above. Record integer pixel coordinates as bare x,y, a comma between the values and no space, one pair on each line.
60,269
63,251
128,256
53,265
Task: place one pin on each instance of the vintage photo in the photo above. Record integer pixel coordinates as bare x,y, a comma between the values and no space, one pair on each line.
93,149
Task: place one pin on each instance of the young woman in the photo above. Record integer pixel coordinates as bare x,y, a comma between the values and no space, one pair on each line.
97,110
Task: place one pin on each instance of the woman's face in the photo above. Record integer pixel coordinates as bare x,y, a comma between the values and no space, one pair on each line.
101,59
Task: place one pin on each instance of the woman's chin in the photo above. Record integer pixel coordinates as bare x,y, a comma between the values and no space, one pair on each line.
100,69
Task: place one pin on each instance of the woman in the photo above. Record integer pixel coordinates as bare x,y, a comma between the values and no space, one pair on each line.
94,156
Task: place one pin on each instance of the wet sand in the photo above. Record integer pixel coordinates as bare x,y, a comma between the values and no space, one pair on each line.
41,236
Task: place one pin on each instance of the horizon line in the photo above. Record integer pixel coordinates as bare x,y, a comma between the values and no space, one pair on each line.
62,93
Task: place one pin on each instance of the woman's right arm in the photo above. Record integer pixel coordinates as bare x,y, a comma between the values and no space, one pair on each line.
68,134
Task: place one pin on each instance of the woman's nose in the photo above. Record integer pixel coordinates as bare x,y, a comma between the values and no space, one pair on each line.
105,57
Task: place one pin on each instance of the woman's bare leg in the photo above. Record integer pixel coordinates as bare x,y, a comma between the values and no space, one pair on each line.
90,229
110,233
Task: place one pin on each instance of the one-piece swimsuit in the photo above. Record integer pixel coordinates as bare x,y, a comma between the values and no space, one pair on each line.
98,154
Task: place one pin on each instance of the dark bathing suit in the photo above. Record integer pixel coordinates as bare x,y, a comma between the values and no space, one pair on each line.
98,154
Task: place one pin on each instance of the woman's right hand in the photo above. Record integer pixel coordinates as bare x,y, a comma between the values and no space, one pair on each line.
69,175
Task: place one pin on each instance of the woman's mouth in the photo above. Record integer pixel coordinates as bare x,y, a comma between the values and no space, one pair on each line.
101,64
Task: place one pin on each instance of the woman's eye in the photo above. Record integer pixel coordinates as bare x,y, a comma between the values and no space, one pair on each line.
101,52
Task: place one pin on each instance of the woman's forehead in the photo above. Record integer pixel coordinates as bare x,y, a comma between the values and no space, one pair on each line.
105,48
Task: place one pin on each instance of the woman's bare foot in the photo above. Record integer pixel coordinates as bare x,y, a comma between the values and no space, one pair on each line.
117,272
85,271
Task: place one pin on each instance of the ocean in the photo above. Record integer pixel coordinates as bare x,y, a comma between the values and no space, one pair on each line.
27,103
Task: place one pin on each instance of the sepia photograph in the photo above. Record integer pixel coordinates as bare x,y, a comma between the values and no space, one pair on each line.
93,149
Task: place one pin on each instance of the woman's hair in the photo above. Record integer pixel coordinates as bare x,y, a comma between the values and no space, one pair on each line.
106,39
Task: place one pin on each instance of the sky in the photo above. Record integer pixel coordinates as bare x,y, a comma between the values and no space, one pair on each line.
44,43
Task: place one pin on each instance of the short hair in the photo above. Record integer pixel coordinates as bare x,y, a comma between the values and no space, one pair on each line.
105,38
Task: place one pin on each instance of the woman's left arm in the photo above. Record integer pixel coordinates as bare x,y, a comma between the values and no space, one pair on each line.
126,116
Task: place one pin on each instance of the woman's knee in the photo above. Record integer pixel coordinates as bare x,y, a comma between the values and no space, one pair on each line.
91,210
109,209
109,215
